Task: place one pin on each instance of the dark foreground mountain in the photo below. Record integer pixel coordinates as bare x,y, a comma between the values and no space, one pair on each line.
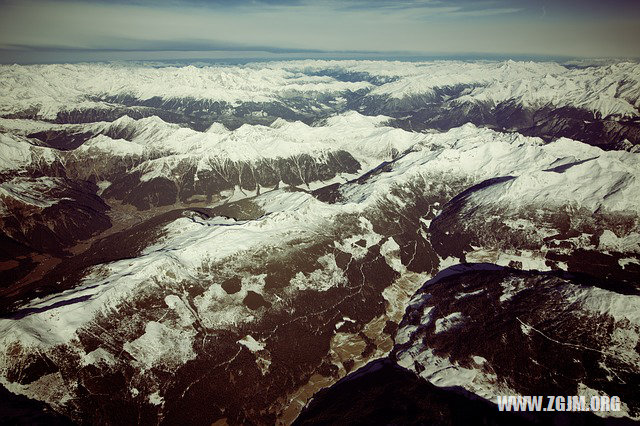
383,393
496,331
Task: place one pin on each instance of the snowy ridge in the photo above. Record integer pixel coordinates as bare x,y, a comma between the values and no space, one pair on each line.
159,149
467,152
282,139
32,192
166,144
101,145
17,153
607,180
52,88
476,154
607,90
187,246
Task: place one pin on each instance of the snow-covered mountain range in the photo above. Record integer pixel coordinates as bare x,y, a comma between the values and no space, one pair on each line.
220,243
47,90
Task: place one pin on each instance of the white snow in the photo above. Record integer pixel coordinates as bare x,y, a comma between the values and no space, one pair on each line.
621,307
448,322
252,344
29,191
608,90
358,245
530,260
444,373
404,334
167,149
604,182
415,353
628,260
102,185
478,359
58,87
391,252
511,287
117,147
607,182
321,279
163,346
156,399
16,153
97,356
609,241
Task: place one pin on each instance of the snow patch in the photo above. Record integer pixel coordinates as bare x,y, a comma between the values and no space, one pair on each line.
450,321
609,241
252,344
161,346
156,399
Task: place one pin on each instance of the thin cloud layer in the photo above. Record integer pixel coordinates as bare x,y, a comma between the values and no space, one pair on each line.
38,29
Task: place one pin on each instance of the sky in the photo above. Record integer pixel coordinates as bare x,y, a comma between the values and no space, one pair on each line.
33,31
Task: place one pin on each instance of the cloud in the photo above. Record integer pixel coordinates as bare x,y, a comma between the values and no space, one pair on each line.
484,12
302,26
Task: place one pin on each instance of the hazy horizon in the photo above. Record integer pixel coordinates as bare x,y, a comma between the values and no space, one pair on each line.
45,31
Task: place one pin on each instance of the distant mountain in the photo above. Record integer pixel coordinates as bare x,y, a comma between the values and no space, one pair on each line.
596,104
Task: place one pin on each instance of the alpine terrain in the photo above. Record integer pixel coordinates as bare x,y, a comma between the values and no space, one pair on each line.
318,241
